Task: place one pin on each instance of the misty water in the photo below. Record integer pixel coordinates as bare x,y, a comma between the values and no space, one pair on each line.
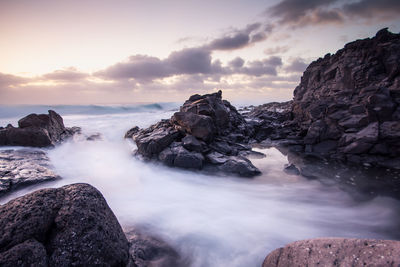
210,220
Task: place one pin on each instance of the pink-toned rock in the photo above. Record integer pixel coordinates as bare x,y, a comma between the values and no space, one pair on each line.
336,252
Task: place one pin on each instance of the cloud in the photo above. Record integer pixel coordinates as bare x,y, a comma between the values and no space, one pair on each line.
189,61
295,11
238,39
238,62
297,65
139,67
69,74
276,50
300,13
368,8
11,80
262,67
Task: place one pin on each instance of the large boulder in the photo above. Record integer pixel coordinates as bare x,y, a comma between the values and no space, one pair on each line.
36,130
346,107
336,252
67,226
204,124
20,168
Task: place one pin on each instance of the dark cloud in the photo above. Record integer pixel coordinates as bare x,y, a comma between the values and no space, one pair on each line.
371,8
189,61
238,62
145,68
299,13
298,65
294,11
138,67
251,34
70,74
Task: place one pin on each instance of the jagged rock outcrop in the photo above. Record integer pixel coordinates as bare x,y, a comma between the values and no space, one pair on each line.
20,168
67,226
207,133
347,105
37,130
336,252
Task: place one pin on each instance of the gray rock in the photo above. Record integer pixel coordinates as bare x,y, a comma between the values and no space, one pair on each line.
131,132
20,168
192,143
37,131
336,252
27,253
73,223
239,166
146,250
204,125
153,140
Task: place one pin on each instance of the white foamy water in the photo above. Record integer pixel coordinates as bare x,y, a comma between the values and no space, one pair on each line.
213,221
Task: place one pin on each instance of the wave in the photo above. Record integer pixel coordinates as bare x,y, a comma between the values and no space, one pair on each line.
12,111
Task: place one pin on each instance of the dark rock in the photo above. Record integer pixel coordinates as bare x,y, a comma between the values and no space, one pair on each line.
291,169
37,130
325,147
20,168
176,155
146,250
390,130
205,125
192,143
346,106
200,126
73,223
336,252
153,140
131,132
189,160
216,158
27,253
240,166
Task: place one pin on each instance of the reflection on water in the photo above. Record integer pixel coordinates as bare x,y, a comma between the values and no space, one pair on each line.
215,221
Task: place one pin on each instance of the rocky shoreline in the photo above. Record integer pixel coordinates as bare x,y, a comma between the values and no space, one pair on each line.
346,110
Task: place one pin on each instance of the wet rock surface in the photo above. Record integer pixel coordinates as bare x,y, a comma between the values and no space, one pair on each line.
346,107
67,226
336,252
208,133
24,167
37,130
146,250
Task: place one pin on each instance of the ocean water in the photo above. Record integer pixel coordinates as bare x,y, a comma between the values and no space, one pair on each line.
210,220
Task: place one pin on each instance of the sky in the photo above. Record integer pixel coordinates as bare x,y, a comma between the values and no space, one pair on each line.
130,51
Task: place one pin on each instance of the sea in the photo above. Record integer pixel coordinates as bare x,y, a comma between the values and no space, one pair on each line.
210,220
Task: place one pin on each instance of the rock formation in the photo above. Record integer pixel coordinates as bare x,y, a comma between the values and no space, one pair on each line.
37,131
207,133
19,168
336,252
346,107
67,226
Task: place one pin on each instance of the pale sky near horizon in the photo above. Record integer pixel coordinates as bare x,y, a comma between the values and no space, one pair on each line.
126,51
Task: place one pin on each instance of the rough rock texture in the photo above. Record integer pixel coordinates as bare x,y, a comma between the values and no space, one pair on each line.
67,226
146,250
346,107
37,131
19,168
207,133
336,252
